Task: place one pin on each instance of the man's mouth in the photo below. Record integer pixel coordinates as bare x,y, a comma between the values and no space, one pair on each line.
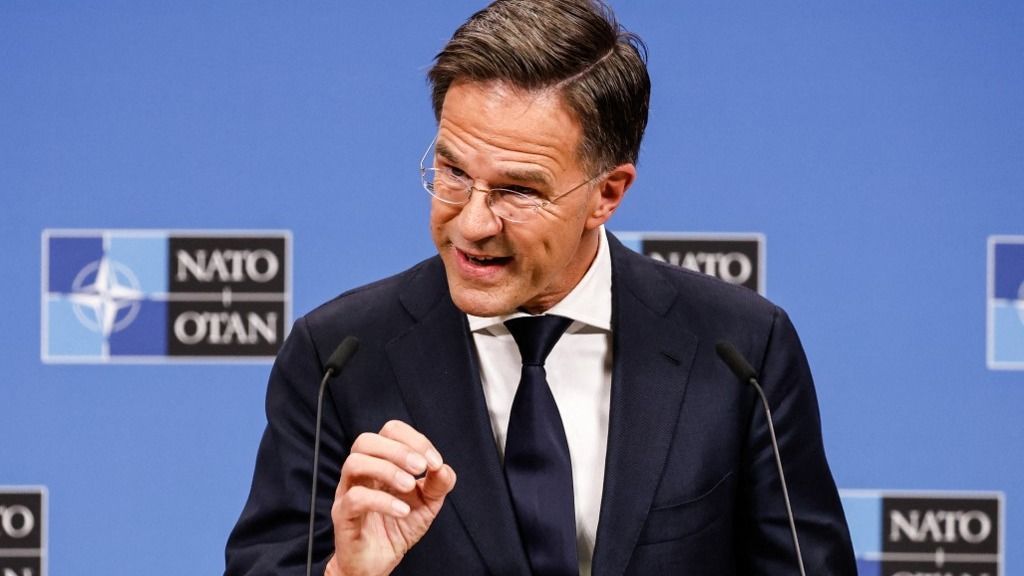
484,260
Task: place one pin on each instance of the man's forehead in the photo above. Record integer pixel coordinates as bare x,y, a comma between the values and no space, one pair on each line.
507,123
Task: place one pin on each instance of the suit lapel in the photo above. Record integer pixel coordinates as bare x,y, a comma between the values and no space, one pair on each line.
652,360
437,374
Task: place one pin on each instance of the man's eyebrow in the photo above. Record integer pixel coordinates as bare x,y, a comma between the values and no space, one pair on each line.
446,153
528,176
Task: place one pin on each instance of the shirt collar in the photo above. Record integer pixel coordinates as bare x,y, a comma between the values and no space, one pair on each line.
589,303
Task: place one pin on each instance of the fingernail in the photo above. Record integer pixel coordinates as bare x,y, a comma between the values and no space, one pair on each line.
404,480
415,462
434,458
400,508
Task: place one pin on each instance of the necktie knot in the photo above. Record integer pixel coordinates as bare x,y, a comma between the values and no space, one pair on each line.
536,336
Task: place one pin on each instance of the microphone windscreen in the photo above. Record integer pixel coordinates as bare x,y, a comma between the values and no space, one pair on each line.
735,361
341,354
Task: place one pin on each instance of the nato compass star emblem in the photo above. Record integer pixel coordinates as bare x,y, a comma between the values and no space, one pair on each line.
106,296
1005,303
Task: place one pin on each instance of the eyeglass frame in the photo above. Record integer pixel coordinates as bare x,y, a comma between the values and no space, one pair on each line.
471,187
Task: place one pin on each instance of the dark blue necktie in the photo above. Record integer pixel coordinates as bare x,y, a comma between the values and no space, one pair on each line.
537,464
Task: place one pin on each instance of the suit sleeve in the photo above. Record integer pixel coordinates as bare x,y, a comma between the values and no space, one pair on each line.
763,526
270,537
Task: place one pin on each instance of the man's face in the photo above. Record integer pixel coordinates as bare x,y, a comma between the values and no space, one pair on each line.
502,137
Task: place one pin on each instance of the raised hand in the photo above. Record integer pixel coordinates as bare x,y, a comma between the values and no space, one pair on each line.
381,509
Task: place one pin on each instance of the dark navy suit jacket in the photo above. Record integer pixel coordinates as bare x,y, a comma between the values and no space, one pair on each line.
690,485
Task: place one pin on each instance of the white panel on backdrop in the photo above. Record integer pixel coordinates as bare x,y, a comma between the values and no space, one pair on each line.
158,296
902,532
1006,302
23,530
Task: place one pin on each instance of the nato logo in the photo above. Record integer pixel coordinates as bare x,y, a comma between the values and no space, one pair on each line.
735,258
1006,302
23,530
912,533
158,296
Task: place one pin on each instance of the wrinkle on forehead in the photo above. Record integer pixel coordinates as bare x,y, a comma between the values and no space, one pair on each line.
526,135
511,173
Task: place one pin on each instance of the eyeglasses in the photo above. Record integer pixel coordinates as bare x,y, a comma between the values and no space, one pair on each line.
514,204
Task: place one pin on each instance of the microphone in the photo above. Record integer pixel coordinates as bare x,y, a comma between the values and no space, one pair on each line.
335,363
746,373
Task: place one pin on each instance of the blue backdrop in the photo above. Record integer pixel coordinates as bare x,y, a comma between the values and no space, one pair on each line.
876,145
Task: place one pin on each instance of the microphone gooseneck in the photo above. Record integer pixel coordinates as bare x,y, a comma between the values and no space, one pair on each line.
746,373
337,360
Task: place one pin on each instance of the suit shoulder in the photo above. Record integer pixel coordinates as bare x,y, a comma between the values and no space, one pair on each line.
700,300
711,289
375,304
703,287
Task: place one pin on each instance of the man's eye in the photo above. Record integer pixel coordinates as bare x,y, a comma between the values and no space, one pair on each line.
524,190
455,172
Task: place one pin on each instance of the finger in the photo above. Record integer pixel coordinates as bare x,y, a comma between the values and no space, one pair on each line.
394,451
436,485
406,434
365,469
359,501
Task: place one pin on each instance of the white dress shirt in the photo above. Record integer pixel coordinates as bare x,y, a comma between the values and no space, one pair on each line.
579,371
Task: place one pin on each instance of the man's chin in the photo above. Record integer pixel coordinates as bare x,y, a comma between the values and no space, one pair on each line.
480,302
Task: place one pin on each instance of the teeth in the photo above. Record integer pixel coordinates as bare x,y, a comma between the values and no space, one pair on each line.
481,259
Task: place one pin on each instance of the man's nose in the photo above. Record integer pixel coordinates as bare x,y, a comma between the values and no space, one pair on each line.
477,221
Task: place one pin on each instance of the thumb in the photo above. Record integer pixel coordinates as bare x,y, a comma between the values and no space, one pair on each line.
437,484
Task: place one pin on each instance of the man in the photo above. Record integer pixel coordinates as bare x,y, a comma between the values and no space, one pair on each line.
541,106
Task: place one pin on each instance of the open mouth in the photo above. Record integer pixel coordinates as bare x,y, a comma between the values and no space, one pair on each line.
485,261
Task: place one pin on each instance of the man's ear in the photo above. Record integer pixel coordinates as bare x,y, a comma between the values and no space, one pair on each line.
609,194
